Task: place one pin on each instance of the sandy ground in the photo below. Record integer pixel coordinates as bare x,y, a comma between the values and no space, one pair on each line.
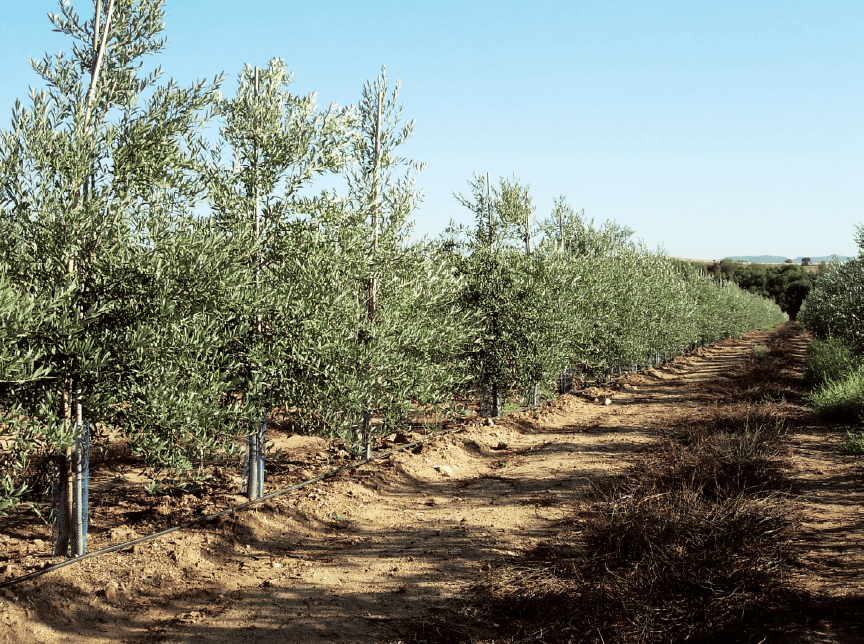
358,556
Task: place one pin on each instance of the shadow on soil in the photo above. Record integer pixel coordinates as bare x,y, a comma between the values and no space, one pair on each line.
289,603
639,559
623,571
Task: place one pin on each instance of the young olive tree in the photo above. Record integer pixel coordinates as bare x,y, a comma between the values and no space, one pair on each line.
273,145
508,287
402,345
92,169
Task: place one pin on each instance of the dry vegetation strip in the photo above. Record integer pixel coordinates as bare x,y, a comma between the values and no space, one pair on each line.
699,541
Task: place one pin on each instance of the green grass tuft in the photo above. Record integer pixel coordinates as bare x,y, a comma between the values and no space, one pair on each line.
830,359
853,443
841,398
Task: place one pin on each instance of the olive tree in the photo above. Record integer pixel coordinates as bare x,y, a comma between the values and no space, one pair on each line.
92,170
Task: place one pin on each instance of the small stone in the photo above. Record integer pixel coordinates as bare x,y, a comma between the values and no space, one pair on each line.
305,474
446,470
276,564
607,401
490,422
322,455
111,590
476,444
38,543
8,594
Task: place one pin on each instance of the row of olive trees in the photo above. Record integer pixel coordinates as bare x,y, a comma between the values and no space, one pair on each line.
835,305
128,288
584,295
123,307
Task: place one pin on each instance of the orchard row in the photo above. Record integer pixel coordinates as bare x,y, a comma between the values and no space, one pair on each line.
172,289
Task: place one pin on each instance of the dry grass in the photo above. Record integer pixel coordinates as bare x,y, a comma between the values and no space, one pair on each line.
677,550
690,545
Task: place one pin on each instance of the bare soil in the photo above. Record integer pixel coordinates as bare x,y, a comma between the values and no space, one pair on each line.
375,554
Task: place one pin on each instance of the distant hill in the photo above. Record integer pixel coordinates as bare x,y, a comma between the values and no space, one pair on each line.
777,259
759,259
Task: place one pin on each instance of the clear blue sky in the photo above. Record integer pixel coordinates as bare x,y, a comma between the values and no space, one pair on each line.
711,128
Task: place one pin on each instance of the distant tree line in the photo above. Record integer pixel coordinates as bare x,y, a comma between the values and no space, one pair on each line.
787,284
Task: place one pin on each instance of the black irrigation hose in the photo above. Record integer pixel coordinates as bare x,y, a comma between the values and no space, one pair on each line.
612,379
236,508
210,517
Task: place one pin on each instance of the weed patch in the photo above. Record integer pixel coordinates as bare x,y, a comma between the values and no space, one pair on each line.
841,399
827,360
721,458
682,546
853,443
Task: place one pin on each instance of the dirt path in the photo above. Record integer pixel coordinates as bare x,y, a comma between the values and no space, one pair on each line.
357,556
829,486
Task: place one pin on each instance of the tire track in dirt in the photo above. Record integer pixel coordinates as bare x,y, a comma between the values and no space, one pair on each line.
353,557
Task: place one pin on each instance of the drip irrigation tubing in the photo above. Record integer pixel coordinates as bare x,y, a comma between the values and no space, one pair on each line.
232,510
587,384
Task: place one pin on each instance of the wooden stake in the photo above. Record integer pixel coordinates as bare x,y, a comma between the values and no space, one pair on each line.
561,227
100,53
372,292
372,297
257,205
489,208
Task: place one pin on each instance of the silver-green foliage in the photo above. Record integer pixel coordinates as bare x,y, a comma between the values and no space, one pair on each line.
834,307
178,330
272,145
354,318
94,178
505,286
397,344
621,304
833,311
587,295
